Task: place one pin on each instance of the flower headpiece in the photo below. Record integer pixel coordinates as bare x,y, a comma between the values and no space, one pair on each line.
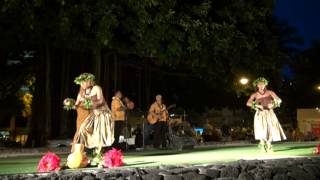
84,77
260,79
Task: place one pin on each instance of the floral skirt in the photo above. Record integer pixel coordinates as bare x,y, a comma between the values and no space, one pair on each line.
267,126
97,130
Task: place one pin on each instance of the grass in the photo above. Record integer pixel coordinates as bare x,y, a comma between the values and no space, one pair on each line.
201,155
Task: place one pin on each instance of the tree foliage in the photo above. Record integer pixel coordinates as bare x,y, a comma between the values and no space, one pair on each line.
306,82
207,35
214,40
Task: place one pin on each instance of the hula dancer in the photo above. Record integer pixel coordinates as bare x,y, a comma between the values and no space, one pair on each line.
97,130
266,125
82,112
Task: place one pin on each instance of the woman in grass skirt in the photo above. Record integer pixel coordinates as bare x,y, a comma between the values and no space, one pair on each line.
266,125
97,130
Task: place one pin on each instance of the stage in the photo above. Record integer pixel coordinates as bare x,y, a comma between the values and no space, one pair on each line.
200,155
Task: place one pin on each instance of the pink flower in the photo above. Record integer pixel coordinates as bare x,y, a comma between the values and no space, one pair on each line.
113,158
49,162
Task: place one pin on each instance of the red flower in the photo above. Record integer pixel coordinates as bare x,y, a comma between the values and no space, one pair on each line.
318,149
113,158
49,162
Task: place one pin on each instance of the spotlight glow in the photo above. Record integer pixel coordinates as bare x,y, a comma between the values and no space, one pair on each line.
244,81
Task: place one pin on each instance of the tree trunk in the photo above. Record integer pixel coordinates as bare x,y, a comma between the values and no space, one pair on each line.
65,124
115,71
97,64
106,75
148,84
139,99
48,92
41,117
3,59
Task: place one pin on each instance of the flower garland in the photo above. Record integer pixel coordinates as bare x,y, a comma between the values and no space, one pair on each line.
260,79
87,103
254,105
84,77
276,103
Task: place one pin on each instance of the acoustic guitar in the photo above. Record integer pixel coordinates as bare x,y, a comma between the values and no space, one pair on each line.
161,116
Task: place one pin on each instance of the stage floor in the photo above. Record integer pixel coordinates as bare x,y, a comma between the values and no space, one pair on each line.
199,155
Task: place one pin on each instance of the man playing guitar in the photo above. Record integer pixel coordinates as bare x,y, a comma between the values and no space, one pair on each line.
158,116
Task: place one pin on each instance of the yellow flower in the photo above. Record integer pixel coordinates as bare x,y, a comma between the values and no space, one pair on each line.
27,101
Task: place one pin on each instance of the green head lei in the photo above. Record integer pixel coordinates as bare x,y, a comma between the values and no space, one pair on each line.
84,77
260,79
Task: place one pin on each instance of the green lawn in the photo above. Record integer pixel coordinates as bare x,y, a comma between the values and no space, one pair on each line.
203,155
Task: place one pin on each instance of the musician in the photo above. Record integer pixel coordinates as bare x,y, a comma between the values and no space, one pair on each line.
118,115
158,110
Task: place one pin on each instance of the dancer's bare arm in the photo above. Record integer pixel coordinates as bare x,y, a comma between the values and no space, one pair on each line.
79,100
276,99
96,90
274,96
250,100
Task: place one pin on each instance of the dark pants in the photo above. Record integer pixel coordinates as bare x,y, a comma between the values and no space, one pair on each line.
160,131
118,126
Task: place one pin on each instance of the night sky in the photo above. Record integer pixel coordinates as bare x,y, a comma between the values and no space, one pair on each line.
303,15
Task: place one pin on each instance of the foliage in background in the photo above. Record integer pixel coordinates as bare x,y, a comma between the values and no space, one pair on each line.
26,94
215,39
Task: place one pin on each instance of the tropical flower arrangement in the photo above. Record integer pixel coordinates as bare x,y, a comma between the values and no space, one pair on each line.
68,104
110,159
49,162
113,158
78,159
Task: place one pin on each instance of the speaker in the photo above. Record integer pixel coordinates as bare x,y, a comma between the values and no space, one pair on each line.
182,142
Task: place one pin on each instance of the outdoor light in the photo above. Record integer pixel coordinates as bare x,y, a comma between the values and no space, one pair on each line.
244,81
318,87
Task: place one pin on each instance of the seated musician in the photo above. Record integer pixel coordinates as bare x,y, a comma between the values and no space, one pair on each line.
158,116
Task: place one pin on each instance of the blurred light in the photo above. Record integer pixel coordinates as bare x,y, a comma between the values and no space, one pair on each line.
244,81
199,130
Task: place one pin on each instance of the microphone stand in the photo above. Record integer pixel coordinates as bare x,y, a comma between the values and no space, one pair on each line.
126,125
143,133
